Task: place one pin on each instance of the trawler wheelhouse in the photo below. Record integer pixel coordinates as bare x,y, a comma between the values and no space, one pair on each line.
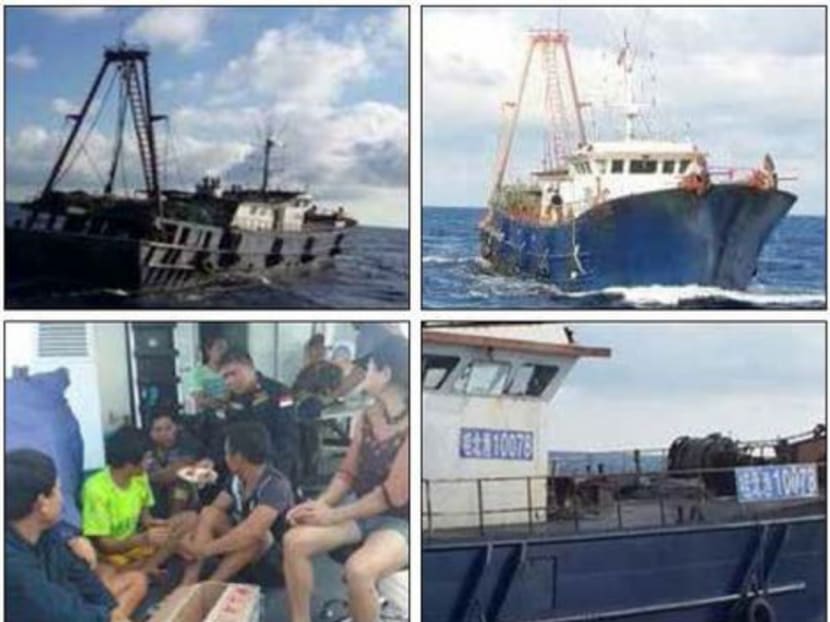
600,172
485,392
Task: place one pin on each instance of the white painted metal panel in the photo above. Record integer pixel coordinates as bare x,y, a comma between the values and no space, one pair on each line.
70,345
447,412
189,355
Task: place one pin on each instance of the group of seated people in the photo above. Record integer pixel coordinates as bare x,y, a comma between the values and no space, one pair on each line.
139,514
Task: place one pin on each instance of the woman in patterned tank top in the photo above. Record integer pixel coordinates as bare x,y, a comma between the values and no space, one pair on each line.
376,471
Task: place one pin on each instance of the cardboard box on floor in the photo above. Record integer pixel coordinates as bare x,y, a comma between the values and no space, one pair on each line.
211,601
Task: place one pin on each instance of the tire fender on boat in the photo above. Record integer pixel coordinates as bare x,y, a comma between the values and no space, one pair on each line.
760,610
205,264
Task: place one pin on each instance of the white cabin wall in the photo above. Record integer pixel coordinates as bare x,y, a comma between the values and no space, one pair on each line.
262,340
189,355
291,340
20,345
446,413
98,393
83,393
113,379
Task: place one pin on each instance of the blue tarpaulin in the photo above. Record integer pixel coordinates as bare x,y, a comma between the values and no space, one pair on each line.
38,417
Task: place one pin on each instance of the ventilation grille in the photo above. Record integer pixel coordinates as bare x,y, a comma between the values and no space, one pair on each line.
64,339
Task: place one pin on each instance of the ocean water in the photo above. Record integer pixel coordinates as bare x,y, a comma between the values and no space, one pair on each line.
791,274
372,273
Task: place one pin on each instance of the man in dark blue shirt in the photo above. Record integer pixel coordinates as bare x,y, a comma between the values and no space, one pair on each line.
44,580
258,399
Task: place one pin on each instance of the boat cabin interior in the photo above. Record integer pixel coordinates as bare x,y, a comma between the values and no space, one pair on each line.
109,376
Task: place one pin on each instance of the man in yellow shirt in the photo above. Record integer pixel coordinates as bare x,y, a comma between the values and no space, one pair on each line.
116,502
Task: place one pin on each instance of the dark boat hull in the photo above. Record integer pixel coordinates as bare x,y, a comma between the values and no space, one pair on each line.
668,237
40,260
682,574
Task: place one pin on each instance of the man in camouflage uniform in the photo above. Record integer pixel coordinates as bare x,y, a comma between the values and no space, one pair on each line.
253,397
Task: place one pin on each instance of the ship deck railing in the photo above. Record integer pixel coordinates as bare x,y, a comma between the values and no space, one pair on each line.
598,503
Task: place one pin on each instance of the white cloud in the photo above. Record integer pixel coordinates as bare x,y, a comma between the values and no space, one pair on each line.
188,85
73,14
385,36
182,28
33,149
645,422
355,155
364,145
752,380
197,157
63,106
23,59
296,64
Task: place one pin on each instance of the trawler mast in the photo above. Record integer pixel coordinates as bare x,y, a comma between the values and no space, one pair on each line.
563,112
632,110
132,70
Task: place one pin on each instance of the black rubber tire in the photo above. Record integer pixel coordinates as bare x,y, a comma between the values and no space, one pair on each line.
760,610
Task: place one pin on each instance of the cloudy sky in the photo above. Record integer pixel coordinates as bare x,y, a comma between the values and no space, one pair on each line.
737,82
330,84
752,381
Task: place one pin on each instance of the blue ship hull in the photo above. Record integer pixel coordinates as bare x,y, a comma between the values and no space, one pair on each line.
678,574
667,237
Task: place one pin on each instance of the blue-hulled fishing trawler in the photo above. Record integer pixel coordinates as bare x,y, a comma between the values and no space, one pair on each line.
630,212
718,534
160,239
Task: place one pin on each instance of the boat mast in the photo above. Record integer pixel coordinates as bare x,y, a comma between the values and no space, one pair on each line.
504,152
119,139
632,110
78,120
269,144
132,69
559,123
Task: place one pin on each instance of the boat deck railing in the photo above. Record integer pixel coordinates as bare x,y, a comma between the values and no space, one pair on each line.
591,503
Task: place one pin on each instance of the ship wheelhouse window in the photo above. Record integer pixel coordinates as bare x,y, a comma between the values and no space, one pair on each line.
482,378
668,167
531,380
684,164
582,167
601,166
617,166
435,370
643,166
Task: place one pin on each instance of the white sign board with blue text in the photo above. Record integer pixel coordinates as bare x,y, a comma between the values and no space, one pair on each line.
487,444
776,482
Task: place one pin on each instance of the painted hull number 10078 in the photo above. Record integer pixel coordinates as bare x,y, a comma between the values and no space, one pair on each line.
495,444
775,482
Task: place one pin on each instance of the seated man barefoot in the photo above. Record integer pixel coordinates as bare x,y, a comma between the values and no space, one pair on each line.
45,581
116,511
376,470
248,516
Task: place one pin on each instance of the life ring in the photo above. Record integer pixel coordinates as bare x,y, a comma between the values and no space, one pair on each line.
760,610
